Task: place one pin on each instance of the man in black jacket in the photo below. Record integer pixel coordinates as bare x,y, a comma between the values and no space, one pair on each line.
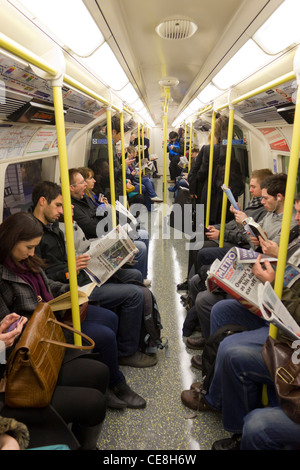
124,297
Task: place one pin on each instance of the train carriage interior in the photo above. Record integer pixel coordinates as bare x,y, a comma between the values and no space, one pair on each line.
159,66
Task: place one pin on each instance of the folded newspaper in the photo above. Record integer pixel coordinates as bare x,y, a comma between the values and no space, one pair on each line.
274,311
108,254
230,196
234,275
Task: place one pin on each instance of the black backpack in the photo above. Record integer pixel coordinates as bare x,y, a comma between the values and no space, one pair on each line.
150,337
210,352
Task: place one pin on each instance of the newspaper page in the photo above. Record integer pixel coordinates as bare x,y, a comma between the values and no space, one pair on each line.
230,196
274,311
108,254
234,275
235,278
250,256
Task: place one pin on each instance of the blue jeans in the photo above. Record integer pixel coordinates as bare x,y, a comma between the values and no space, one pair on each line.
239,375
230,311
147,191
127,300
270,429
101,325
142,244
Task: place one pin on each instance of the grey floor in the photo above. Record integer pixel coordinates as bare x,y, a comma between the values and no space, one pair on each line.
164,423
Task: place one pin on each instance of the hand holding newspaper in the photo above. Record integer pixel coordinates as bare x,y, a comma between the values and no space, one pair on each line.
108,254
234,275
274,311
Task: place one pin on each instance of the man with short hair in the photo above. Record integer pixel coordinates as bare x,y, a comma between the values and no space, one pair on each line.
125,297
88,220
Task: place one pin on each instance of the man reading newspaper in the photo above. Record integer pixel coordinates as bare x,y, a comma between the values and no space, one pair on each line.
240,371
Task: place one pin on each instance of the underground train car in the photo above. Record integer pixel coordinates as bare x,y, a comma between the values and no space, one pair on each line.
170,126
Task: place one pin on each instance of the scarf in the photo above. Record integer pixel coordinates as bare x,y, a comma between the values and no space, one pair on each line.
255,202
35,280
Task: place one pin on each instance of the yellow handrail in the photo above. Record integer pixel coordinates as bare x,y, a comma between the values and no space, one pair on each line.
65,187
226,176
111,167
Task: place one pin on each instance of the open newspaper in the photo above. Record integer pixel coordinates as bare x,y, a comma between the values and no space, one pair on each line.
274,311
108,254
234,275
63,301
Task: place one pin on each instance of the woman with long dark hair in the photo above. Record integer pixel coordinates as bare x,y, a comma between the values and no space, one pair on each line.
23,284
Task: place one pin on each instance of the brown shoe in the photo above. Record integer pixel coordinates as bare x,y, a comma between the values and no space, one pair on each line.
171,181
195,342
194,400
197,361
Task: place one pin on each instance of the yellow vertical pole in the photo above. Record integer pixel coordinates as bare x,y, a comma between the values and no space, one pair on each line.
111,167
139,155
227,173
165,139
123,158
288,205
65,188
210,167
191,144
185,139
143,145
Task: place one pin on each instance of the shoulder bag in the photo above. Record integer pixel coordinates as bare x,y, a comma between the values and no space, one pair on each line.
284,367
33,366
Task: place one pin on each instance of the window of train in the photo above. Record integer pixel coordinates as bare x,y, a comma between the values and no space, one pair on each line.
20,179
285,166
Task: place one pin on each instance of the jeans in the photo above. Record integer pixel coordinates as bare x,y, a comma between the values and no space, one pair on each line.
147,191
142,244
239,375
230,311
127,300
270,429
101,325
204,302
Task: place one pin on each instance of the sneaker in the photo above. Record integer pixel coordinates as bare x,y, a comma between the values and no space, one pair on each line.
139,360
156,199
127,395
171,189
147,282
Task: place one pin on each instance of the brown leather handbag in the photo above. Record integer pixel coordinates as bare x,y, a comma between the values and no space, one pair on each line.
281,360
33,366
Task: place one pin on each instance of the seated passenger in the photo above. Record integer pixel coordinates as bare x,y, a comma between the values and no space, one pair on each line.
182,179
23,283
88,220
239,360
239,375
234,233
117,293
208,302
147,185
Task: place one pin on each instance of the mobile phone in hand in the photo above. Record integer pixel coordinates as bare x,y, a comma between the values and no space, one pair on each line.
14,325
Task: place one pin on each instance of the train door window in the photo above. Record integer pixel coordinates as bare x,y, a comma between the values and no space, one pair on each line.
285,160
20,179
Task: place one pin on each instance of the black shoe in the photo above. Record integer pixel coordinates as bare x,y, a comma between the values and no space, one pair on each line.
197,361
183,286
195,342
132,399
155,175
233,443
113,401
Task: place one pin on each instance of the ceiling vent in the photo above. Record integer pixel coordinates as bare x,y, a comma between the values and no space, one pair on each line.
176,28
